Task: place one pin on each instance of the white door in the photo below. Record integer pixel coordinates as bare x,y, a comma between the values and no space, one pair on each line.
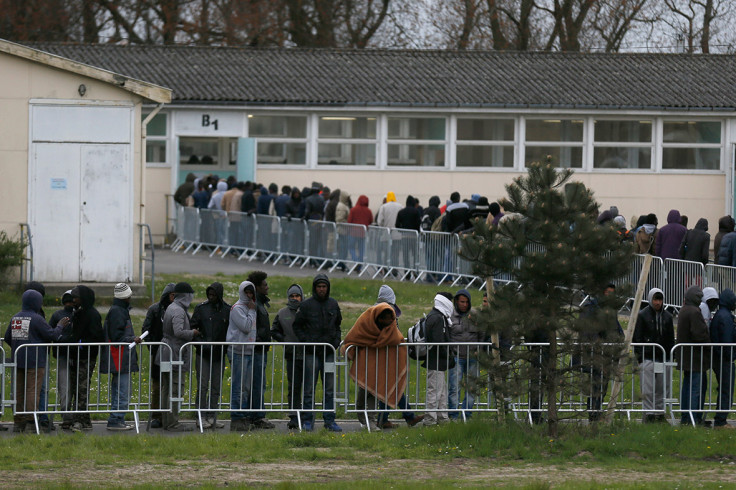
55,189
81,193
105,228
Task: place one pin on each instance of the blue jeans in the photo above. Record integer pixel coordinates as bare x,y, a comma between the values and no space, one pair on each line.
241,366
43,399
691,396
119,397
260,359
314,364
355,245
464,368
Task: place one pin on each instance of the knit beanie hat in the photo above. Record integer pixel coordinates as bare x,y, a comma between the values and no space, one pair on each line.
122,291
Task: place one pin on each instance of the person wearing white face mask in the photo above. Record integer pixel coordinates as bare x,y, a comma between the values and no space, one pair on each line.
439,359
177,332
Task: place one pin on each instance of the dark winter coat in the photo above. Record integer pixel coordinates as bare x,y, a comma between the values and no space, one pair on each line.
279,204
66,332
263,322
264,201
647,331
457,218
185,190
436,327
318,320
431,213
727,250
87,325
463,327
670,237
314,206
282,329
691,329
409,218
118,328
725,225
248,202
29,327
211,319
293,205
722,327
154,322
695,246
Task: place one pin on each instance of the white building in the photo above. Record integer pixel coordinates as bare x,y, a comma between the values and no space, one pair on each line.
647,132
71,160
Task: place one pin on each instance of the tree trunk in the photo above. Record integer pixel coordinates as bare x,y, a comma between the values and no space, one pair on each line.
552,385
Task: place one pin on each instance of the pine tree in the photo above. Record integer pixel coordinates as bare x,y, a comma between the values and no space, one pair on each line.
551,246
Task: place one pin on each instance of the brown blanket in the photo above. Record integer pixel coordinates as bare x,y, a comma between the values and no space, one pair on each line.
377,363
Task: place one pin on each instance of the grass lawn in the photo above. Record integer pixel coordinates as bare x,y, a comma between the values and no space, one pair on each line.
481,453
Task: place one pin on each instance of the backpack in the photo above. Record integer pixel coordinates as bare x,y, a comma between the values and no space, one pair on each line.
426,224
437,225
417,335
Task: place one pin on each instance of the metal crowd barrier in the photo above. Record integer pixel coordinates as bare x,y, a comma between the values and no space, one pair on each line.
372,395
680,275
76,385
378,252
242,380
705,381
721,276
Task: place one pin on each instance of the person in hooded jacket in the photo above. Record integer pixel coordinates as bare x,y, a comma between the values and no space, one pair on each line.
118,360
439,358
725,225
154,325
258,419
29,327
86,329
62,353
293,205
653,326
670,237
318,320
282,330
360,214
342,211
646,236
431,213
241,330
185,190
722,332
211,319
693,362
314,210
727,250
218,214
463,329
177,332
708,304
695,245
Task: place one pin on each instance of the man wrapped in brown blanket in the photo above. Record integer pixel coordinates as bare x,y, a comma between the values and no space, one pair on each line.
378,365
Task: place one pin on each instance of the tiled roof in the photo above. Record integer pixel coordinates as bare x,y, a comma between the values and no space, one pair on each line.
420,78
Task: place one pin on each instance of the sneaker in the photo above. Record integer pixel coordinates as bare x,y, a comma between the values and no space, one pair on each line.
387,425
333,427
415,420
77,427
119,426
307,426
262,424
87,425
179,427
156,424
293,424
372,425
206,424
214,424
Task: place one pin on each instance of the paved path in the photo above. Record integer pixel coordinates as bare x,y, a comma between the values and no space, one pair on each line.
168,262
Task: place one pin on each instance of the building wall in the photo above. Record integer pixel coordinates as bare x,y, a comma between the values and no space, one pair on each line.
23,80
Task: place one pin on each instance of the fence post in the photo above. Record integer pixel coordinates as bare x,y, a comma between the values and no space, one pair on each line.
629,335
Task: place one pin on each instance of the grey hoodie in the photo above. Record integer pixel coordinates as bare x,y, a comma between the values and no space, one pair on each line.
242,327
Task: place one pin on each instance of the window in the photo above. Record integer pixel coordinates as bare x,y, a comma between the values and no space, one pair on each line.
156,138
208,154
561,139
623,144
416,141
485,142
691,145
281,139
346,140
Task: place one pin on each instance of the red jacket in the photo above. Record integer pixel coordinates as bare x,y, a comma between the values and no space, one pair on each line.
361,213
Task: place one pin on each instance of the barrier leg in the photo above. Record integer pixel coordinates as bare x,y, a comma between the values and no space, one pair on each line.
137,421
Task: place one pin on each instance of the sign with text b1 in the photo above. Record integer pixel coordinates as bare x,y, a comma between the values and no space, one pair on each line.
209,123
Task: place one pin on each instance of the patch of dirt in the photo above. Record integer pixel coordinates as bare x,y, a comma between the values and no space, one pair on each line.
482,472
